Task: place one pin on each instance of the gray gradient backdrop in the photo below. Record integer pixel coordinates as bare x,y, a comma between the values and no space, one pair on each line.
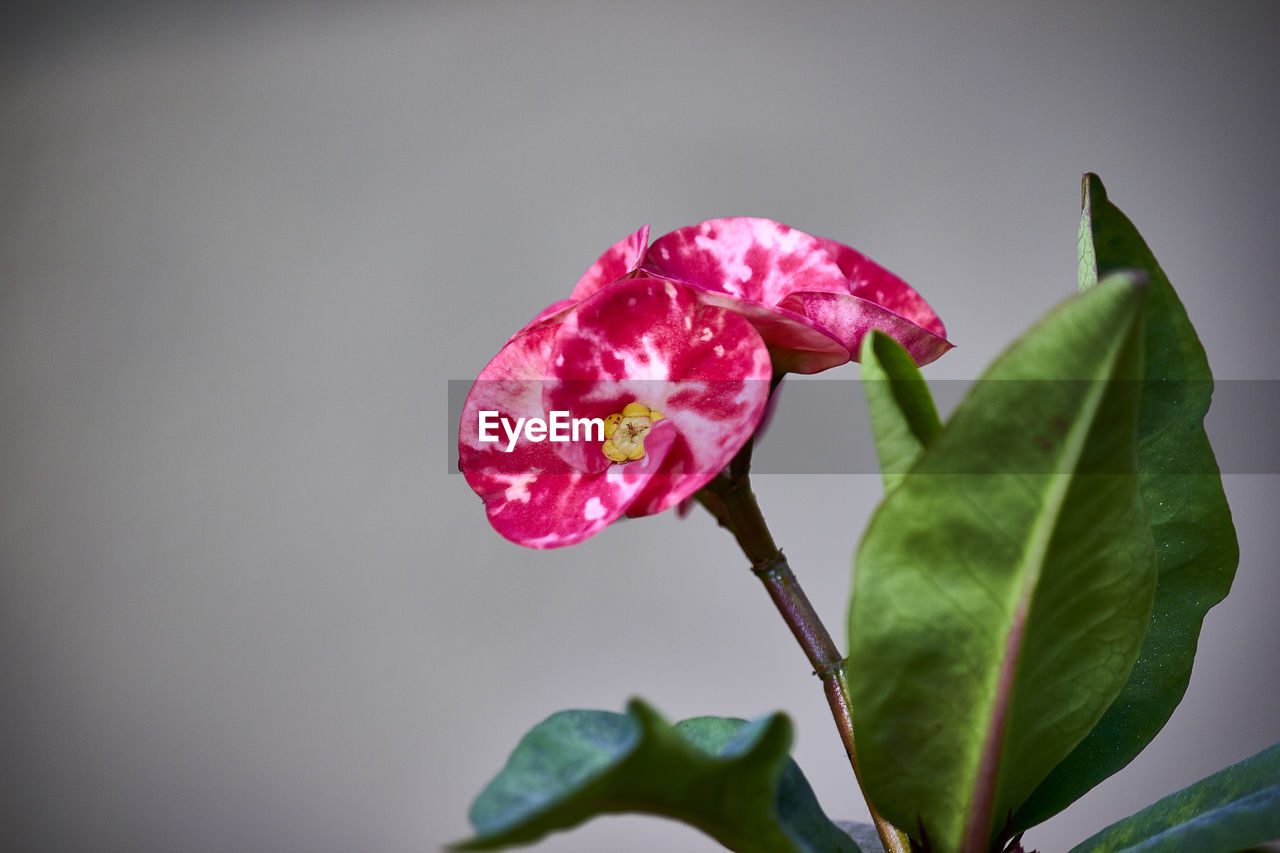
242,251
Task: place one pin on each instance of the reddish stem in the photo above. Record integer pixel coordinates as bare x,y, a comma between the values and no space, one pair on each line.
730,499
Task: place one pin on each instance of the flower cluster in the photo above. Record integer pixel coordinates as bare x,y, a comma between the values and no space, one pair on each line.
669,349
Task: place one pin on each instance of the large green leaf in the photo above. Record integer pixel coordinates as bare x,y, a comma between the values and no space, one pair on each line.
731,779
1196,550
1003,588
1227,811
904,419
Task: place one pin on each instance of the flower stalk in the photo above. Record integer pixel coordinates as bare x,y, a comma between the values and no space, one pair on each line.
730,499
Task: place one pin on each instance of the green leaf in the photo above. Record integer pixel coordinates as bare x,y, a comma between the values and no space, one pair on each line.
1229,810
731,779
1196,550
904,419
1003,588
864,834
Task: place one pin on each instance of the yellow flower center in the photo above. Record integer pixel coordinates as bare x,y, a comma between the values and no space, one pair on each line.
624,432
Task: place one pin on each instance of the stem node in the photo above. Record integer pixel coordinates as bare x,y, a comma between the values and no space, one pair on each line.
731,501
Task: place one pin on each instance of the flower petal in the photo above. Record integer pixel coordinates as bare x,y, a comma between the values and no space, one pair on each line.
535,499
796,343
850,318
553,313
804,294
619,260
746,257
868,280
704,368
531,495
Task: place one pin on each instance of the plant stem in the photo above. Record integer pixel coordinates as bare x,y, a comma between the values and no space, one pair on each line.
730,499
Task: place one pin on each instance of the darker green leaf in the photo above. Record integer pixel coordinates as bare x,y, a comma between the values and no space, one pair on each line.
1227,811
729,778
1196,548
1003,587
904,419
864,834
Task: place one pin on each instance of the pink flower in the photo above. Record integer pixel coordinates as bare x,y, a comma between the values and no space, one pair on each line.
677,385
812,299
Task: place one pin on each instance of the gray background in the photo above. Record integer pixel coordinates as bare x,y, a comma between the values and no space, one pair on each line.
242,251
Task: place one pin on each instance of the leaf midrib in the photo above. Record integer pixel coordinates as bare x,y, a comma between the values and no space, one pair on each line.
982,804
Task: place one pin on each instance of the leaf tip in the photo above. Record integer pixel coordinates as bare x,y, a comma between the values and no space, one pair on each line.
642,712
1092,188
1133,279
871,345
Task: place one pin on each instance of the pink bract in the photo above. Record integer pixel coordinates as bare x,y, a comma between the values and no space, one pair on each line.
642,339
812,299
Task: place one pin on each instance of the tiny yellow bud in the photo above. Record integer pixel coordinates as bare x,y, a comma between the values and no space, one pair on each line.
614,453
637,452
635,410
611,424
655,416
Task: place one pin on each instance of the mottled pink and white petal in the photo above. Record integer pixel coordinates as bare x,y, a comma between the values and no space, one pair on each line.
553,313
531,495
713,419
868,280
585,400
513,376
619,260
746,257
704,368
850,318
510,387
610,349
648,329
539,501
796,343
631,330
